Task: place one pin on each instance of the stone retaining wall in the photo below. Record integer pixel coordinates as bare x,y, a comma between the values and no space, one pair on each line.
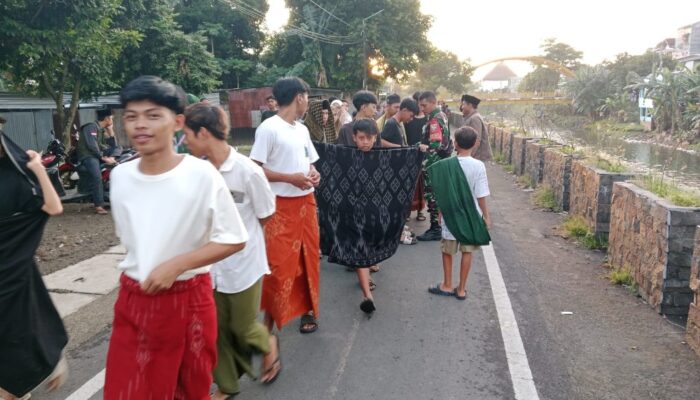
693,326
591,195
557,175
655,240
534,161
497,140
519,144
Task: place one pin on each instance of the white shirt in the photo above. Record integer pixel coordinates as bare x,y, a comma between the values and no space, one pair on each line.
158,217
254,199
475,171
285,148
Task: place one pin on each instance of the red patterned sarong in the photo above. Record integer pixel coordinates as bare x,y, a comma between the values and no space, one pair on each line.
163,346
292,239
418,202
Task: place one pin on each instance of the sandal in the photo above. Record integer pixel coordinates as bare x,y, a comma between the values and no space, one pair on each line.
308,324
460,297
372,285
420,217
101,211
374,268
367,306
436,290
275,364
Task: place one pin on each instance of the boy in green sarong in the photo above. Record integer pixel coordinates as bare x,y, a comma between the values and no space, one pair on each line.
461,188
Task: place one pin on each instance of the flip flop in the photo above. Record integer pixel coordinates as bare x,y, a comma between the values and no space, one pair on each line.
278,361
307,319
460,297
367,306
436,290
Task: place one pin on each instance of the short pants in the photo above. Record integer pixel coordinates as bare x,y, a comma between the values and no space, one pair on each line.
448,246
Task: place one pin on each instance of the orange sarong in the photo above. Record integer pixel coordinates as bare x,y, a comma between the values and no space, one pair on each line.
292,239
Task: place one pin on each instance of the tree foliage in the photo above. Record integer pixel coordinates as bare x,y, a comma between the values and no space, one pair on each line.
543,79
443,69
51,47
396,41
589,89
166,50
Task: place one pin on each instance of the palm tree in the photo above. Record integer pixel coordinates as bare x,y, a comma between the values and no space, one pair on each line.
589,89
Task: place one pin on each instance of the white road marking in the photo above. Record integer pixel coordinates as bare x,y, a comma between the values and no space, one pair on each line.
89,388
344,358
519,367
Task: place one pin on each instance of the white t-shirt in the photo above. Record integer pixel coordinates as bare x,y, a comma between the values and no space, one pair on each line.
475,171
254,199
158,217
285,148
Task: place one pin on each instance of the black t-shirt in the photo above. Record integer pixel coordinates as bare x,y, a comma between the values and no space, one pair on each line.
414,130
16,195
392,132
267,114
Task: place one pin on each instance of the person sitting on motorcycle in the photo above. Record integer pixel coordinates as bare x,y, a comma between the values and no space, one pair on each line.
90,155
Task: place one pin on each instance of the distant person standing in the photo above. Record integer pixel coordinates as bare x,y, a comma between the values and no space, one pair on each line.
394,133
272,108
90,156
436,134
472,118
365,103
414,135
390,109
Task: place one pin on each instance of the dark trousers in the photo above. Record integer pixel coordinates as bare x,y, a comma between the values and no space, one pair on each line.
91,173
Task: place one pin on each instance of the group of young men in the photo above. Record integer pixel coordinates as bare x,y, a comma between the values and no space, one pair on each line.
246,228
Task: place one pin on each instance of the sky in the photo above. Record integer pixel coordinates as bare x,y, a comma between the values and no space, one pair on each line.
481,31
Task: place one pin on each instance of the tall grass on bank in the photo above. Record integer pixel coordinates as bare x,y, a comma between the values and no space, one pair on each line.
668,190
577,228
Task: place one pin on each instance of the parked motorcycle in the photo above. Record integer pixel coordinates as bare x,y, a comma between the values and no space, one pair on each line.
51,159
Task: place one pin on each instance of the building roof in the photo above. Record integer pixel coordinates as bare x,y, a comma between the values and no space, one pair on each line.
500,72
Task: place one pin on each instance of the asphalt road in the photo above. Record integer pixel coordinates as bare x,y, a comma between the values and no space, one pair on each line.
419,346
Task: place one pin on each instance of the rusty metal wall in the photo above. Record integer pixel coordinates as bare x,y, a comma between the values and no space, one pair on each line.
29,129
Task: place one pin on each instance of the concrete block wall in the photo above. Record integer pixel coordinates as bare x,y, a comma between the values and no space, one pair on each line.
591,194
655,240
693,325
519,144
534,161
556,173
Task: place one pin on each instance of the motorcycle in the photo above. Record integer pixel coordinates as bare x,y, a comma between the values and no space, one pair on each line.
52,159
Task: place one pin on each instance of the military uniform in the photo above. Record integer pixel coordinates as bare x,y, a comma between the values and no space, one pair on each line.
436,134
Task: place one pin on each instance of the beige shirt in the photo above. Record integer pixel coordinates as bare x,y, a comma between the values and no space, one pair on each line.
474,120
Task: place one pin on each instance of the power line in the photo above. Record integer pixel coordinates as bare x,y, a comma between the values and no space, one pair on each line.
329,13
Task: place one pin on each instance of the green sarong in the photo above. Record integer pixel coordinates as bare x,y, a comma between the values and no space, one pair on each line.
456,202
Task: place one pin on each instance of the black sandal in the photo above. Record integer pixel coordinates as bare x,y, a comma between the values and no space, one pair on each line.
306,320
367,306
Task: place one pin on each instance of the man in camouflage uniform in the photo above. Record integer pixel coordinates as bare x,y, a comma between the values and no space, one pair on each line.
436,134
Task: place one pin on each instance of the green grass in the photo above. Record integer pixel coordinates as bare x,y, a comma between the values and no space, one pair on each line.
577,228
509,168
547,142
499,157
526,181
669,191
544,197
610,166
610,126
622,277
571,151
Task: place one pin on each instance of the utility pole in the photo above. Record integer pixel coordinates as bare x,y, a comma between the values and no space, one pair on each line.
364,48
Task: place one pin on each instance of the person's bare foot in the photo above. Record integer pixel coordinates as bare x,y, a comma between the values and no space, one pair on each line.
6,396
101,211
271,364
219,395
59,375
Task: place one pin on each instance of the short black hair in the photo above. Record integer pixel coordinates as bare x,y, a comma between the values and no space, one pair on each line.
270,97
393,99
156,90
325,105
416,96
409,104
363,97
428,95
209,116
466,137
286,89
365,125
332,98
104,113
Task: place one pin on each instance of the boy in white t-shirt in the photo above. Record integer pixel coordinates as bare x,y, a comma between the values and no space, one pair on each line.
475,173
175,216
238,278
